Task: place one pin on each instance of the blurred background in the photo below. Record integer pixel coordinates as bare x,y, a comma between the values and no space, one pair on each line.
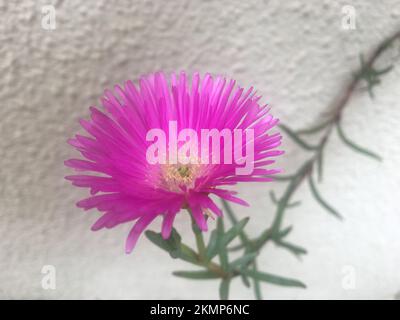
297,54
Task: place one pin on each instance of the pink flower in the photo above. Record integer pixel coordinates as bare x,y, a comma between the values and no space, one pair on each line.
125,186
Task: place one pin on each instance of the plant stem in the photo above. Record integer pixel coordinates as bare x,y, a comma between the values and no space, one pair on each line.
234,221
201,247
257,289
337,109
295,180
275,233
201,254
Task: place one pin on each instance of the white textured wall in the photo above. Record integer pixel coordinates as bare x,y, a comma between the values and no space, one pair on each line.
297,56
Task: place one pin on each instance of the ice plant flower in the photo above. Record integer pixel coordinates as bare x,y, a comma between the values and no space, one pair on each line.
125,186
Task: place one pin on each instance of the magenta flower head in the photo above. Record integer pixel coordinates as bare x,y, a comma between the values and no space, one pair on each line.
172,143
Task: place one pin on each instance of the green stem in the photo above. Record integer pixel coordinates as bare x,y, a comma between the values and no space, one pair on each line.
223,255
234,221
256,283
201,247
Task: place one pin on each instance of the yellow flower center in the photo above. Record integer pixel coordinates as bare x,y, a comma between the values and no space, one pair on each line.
175,176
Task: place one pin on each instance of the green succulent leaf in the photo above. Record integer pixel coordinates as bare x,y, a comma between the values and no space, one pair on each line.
245,281
315,129
320,200
243,260
212,247
371,75
173,246
196,275
187,254
224,289
274,279
281,177
284,232
273,197
235,231
232,218
320,157
256,284
353,146
296,250
222,243
296,138
294,204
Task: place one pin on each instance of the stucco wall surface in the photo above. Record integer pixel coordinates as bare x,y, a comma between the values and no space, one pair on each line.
294,52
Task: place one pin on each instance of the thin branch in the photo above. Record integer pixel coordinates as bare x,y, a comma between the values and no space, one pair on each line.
337,109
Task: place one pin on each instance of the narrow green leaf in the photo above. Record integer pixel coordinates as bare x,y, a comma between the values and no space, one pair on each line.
245,280
281,177
243,260
224,289
315,129
235,231
296,138
283,233
296,250
319,199
320,163
256,283
387,43
371,75
212,247
175,238
229,211
273,197
276,224
157,239
383,71
266,235
369,89
237,247
353,146
223,254
294,204
196,275
232,218
173,246
201,247
302,171
187,254
170,245
366,73
274,279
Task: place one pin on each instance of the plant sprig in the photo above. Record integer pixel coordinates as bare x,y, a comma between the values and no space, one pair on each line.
245,266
